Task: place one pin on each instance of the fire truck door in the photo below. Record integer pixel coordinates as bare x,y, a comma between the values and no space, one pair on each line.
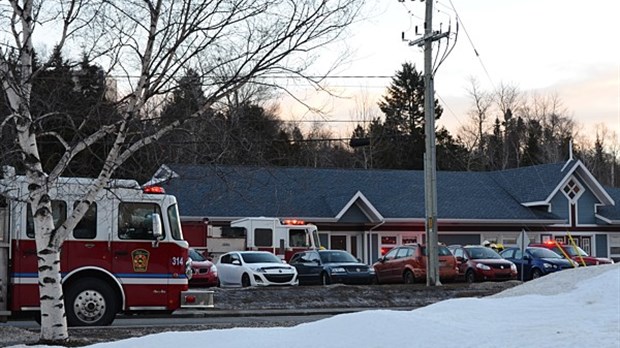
139,260
88,243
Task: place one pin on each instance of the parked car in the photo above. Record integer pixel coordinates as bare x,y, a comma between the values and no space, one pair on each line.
573,252
254,268
479,263
536,262
204,271
331,266
407,264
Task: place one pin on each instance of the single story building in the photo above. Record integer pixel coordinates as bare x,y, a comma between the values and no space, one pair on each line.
367,212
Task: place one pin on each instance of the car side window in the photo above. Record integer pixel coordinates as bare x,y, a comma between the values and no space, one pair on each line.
402,252
458,253
508,254
313,257
391,254
518,254
225,259
296,258
234,257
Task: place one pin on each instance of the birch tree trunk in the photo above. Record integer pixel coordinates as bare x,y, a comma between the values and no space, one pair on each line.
150,43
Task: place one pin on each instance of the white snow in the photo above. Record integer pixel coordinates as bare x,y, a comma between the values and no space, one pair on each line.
579,307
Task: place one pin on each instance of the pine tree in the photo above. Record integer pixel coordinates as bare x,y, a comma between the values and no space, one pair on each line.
399,142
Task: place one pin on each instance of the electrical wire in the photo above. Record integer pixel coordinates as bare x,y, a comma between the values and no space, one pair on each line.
458,18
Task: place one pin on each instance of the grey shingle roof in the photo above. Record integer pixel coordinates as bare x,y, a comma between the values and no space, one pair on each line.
237,191
534,183
611,212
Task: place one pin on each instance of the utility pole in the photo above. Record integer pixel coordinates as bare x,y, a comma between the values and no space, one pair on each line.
430,162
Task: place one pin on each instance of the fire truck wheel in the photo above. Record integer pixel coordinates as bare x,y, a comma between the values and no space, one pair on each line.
90,302
245,280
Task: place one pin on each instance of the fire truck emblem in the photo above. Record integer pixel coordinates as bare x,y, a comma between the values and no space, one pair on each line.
140,260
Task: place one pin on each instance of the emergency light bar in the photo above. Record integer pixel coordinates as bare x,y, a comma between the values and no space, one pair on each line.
293,222
154,189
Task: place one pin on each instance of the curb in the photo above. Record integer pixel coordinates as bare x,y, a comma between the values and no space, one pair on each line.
184,313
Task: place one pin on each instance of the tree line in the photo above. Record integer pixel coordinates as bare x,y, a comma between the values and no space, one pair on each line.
505,129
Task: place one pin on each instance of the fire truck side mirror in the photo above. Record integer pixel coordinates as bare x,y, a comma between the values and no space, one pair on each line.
157,226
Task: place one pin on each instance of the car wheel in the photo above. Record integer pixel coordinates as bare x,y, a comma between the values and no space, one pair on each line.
408,277
245,280
470,277
90,302
374,280
536,273
325,279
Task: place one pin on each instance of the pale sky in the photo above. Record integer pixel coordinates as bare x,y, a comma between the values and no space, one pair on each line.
564,47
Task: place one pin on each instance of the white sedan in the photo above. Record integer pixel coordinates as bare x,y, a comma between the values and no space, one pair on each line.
254,268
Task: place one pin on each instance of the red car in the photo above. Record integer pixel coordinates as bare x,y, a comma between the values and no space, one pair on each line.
479,263
407,264
204,271
573,252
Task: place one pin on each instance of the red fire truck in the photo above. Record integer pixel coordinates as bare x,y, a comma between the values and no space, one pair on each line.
126,255
282,237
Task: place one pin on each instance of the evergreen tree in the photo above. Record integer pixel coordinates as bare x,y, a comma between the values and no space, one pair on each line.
399,142
495,147
68,101
532,152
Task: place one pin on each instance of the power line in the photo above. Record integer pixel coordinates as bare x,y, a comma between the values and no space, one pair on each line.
458,18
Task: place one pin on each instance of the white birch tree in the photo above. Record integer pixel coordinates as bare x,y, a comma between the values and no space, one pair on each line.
146,45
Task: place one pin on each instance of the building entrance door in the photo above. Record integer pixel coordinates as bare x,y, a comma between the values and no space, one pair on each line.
338,242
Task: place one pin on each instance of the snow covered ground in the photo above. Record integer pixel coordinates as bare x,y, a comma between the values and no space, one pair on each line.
565,309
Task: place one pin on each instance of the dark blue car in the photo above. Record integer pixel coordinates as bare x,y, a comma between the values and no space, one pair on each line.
536,262
331,266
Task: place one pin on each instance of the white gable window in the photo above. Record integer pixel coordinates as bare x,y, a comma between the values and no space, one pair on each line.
572,189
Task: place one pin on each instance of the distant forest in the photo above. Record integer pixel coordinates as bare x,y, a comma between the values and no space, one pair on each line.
505,129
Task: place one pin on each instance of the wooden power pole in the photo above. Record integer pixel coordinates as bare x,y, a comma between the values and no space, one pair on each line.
430,161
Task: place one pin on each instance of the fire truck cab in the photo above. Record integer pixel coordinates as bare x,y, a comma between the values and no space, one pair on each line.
126,255
281,237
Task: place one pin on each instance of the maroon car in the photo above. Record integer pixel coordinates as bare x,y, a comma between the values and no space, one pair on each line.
479,263
573,252
204,271
407,264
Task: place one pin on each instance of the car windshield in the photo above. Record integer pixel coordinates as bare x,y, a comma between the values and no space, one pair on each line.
482,253
336,256
543,253
442,251
195,256
260,258
575,251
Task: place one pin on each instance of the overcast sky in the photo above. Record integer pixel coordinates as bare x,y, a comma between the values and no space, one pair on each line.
563,47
